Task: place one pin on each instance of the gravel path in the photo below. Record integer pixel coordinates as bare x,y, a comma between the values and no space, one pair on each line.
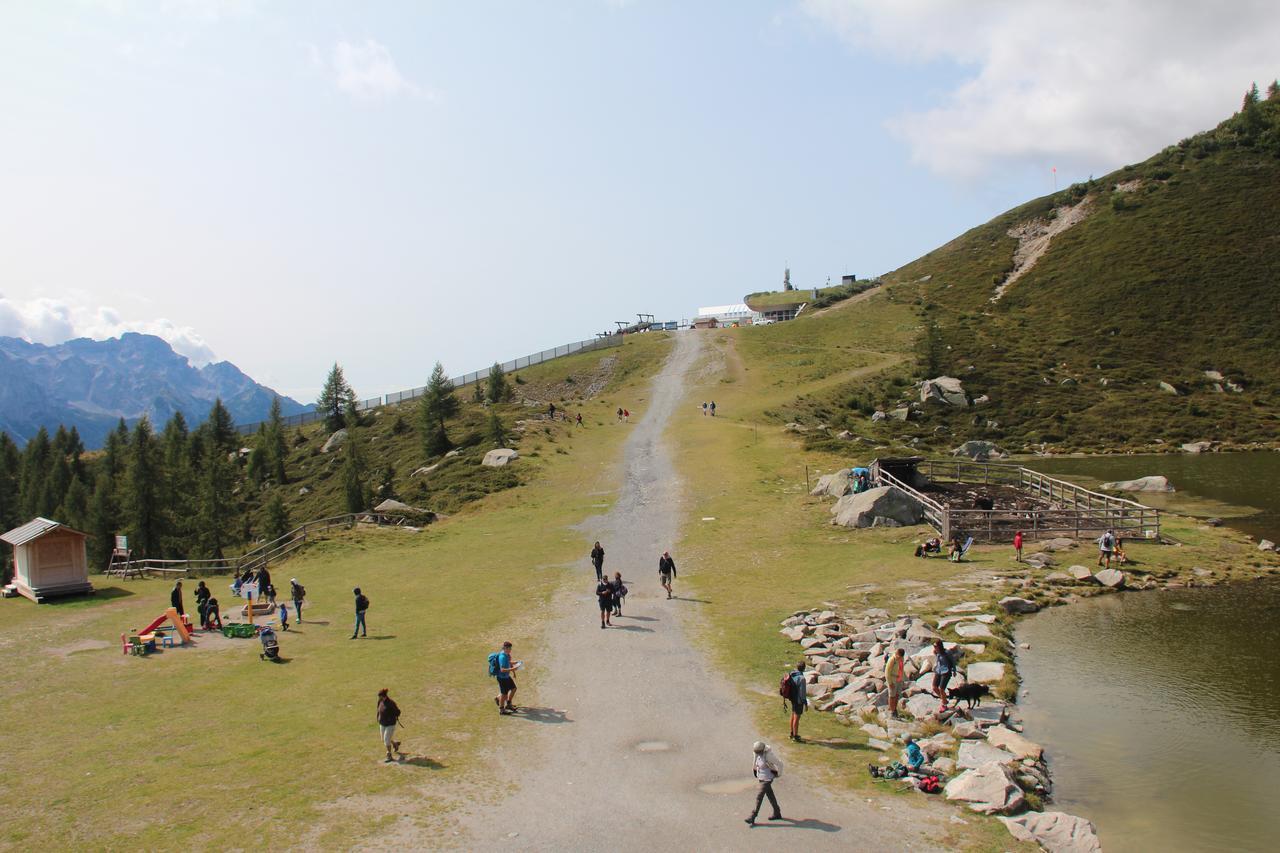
639,745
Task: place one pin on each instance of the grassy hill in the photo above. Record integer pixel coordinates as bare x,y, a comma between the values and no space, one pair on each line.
1171,269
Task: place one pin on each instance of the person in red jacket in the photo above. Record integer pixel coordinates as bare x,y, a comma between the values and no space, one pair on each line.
1017,546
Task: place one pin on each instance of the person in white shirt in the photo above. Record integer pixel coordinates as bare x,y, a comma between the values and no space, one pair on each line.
766,769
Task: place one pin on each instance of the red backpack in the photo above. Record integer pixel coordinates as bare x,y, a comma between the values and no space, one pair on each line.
786,687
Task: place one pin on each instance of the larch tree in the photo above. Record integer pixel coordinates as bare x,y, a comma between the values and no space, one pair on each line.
335,398
143,508
437,405
276,451
496,390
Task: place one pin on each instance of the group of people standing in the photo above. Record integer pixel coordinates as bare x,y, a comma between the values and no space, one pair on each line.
610,592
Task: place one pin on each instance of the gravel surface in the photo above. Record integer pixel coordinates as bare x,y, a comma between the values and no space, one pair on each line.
633,742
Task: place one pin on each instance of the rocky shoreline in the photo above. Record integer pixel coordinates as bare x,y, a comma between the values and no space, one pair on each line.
990,765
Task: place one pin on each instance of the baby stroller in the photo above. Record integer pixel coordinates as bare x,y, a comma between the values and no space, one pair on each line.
270,645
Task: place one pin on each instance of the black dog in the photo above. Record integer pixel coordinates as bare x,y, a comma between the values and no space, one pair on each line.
971,693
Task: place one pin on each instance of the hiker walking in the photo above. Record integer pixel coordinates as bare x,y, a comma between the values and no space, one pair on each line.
597,560
704,408
501,668
713,408
798,698
1017,546
766,767
619,593
298,593
604,593
619,414
895,676
577,419
551,411
388,719
944,666
1106,545
362,605
626,415
666,571
175,598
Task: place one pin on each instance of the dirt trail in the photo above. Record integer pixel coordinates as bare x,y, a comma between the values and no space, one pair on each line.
640,745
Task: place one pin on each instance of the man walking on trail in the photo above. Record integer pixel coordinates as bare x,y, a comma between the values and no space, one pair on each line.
765,768
713,408
666,571
1106,545
704,408
299,594
799,700
895,676
362,605
506,681
597,560
388,718
604,593
944,666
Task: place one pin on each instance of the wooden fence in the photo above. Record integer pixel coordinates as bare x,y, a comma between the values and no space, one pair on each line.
255,559
1064,509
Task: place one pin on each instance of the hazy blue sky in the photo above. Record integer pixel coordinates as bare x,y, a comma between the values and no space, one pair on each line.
283,184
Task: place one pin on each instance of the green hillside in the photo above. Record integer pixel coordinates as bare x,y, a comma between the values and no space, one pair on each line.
1172,270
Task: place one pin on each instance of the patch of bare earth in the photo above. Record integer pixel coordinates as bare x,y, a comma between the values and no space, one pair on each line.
1034,237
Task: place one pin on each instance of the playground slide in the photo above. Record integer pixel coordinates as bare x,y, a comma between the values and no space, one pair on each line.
170,615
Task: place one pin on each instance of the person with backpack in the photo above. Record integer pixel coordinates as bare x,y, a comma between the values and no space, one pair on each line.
388,719
713,408
501,668
794,690
895,677
597,560
362,606
604,594
944,666
1017,546
766,768
298,593
203,594
1106,545
619,593
666,571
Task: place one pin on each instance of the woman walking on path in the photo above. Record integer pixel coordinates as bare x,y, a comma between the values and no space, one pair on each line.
666,571
388,718
362,605
619,593
299,594
943,668
604,593
1017,546
597,560
765,768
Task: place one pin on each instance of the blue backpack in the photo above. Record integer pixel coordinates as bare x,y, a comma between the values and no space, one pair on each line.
494,669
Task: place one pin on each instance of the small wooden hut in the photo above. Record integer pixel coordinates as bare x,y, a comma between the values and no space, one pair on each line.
49,559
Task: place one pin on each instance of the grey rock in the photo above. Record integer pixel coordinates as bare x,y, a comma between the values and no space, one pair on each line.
500,457
425,470
944,389
1113,578
1015,743
1059,578
922,706
901,414
979,451
1152,483
945,765
989,789
334,441
390,505
975,753
452,453
985,672
973,629
1266,545
1198,446
1080,573
304,491
884,502
878,416
1056,832
1059,544
1168,389
965,607
1013,604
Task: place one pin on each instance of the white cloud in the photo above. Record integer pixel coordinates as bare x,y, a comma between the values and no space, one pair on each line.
364,70
1086,85
53,321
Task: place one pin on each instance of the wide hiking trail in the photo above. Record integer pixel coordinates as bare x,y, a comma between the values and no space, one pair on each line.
633,741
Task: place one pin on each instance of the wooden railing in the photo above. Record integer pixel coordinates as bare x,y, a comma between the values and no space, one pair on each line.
934,512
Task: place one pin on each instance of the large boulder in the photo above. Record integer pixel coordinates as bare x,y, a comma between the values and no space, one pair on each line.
885,505
975,753
979,451
500,457
973,629
944,389
1015,743
985,672
1056,832
1198,446
1012,604
922,706
334,441
833,485
1113,578
989,789
1266,545
1080,573
1142,484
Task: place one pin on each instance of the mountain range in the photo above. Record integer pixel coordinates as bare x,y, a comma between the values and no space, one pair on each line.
93,384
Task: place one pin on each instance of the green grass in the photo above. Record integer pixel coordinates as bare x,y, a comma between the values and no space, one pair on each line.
173,749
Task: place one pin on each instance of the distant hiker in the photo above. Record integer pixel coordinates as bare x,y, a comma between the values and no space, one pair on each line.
765,768
203,594
666,571
713,408
388,718
212,616
175,598
551,411
298,593
619,414
501,668
597,560
619,593
362,605
626,415
604,594
1106,545
704,408
944,666
895,676
799,698
577,419
1017,546
284,616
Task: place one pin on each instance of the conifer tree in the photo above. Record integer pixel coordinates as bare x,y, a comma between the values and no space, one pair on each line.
75,450
496,391
75,505
220,428
355,491
497,433
1273,90
144,515
275,518
437,405
216,511
34,483
10,462
1251,97
477,392
179,487
335,398
257,469
104,521
276,451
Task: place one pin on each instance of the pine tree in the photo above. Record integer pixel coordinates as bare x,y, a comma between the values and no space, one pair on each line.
75,450
437,405
275,518
496,391
497,433
335,398
144,515
477,392
104,521
75,504
10,470
115,448
1251,97
354,489
216,512
1273,90
276,451
257,469
220,429
179,487
34,484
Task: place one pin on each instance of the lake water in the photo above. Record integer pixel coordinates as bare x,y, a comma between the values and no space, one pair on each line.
1160,711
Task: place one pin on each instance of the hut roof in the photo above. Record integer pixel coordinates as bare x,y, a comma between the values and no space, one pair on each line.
34,529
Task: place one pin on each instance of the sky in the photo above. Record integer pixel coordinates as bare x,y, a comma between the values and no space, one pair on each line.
386,185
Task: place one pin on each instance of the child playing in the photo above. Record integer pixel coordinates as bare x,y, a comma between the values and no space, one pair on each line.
284,616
